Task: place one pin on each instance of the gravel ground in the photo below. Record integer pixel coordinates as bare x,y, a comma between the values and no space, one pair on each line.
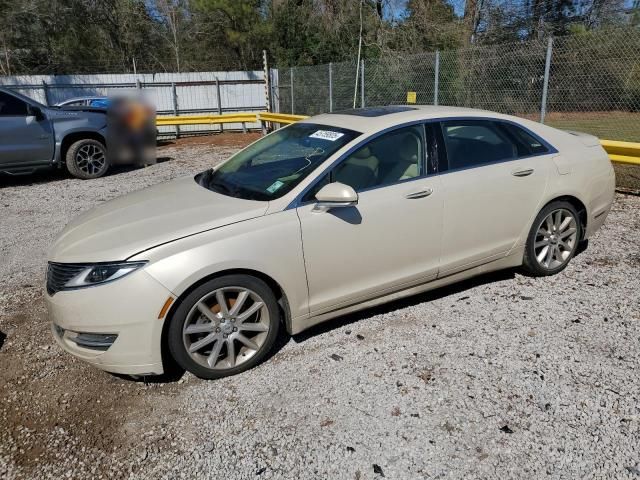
501,377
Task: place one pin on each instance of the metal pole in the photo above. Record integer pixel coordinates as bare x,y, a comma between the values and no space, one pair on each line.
331,86
219,97
174,94
267,82
275,89
292,109
362,83
436,82
45,87
545,85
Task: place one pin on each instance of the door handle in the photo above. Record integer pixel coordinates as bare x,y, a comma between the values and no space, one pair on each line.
420,194
522,173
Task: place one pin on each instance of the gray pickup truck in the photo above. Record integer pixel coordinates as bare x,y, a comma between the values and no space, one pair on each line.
33,136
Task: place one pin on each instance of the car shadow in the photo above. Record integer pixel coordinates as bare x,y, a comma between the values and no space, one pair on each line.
446,291
3,337
48,175
51,175
174,373
165,142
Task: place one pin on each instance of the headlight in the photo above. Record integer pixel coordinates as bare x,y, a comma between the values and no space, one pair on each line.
67,276
102,273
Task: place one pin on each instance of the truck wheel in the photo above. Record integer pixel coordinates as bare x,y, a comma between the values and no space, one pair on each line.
87,159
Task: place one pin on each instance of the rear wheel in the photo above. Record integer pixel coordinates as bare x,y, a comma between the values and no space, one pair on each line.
553,239
87,159
224,327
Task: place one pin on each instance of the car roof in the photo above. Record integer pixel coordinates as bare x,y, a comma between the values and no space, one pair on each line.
79,99
373,119
83,98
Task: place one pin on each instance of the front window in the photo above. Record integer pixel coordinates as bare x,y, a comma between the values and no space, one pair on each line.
11,106
274,165
389,159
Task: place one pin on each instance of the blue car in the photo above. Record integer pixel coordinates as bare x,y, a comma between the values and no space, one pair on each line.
100,102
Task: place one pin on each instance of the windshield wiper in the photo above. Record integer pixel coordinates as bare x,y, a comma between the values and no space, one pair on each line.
221,188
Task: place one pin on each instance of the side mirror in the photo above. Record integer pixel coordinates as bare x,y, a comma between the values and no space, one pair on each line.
335,195
35,112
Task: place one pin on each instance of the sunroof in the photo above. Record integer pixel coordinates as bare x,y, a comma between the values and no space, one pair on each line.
375,111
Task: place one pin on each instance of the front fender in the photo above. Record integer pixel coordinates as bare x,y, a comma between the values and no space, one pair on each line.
270,244
62,134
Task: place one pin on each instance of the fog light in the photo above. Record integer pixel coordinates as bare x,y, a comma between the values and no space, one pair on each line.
93,341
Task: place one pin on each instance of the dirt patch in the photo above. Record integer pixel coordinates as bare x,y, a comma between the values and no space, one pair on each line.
53,407
628,177
216,140
58,414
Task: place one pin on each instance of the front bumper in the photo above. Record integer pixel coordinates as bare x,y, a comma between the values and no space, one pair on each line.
127,308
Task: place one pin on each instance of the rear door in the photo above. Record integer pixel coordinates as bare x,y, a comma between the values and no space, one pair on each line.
494,179
23,138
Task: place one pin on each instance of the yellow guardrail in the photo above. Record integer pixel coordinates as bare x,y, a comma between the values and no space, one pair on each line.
228,118
622,152
280,117
619,152
206,119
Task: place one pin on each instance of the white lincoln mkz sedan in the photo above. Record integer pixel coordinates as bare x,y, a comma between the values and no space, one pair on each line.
329,215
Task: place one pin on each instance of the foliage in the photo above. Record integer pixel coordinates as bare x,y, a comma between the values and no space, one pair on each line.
95,36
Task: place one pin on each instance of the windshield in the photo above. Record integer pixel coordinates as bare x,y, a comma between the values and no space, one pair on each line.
274,165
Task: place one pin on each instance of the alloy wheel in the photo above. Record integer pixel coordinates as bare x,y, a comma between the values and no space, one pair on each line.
556,239
226,327
90,159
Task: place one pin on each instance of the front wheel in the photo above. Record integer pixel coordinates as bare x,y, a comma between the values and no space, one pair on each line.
224,327
553,239
87,159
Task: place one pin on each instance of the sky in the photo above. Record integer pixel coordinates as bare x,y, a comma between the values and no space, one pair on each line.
396,8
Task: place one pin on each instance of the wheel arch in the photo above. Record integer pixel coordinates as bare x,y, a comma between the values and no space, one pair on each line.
73,137
275,287
578,205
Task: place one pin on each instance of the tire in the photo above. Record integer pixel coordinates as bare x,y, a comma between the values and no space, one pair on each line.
549,230
87,159
203,336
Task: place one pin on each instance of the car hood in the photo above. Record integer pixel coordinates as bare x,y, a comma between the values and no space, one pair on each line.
127,225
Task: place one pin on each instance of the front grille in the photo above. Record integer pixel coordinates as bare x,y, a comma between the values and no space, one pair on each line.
58,274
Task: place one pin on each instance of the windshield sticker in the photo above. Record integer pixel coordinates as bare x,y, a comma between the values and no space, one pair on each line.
326,135
275,186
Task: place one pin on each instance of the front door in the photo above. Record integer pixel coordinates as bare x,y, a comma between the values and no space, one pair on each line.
23,138
389,240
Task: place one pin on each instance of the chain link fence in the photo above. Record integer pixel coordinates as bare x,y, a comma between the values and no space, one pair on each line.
588,82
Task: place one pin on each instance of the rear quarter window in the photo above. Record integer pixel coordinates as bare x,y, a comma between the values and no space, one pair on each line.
526,143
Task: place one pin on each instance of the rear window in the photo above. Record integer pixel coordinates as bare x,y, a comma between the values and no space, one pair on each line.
471,143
